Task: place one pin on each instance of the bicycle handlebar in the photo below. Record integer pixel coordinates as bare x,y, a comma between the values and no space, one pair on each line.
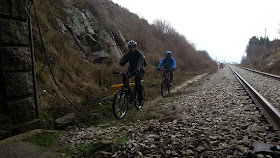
168,69
117,73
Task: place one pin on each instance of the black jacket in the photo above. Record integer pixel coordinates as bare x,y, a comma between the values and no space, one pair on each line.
136,60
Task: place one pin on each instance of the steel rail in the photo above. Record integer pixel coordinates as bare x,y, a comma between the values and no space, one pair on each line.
271,114
260,72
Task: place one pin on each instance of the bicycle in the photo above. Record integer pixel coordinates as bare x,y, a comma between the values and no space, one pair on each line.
165,83
126,94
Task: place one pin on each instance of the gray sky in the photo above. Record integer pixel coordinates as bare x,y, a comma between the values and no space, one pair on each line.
221,27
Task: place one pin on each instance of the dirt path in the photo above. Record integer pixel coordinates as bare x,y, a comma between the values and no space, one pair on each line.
184,85
179,88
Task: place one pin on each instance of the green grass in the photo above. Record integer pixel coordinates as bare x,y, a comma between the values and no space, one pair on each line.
47,115
43,77
88,149
121,139
46,139
98,113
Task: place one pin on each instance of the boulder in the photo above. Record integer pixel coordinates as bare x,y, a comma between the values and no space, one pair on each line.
102,154
65,120
97,56
105,145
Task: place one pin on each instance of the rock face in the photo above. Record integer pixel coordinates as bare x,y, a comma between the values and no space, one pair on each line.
111,43
97,56
78,22
16,83
95,44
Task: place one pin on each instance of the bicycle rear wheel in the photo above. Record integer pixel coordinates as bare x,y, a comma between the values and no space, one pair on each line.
120,104
138,105
164,88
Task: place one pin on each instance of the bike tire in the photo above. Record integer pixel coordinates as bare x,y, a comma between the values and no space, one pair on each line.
137,105
164,88
168,87
120,104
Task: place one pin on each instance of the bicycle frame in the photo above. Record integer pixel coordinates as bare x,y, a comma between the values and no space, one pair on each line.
165,87
126,94
166,74
125,85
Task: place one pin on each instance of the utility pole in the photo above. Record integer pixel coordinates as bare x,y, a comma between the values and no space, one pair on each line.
217,63
264,38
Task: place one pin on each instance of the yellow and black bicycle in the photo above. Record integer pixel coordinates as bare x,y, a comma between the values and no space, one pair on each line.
125,95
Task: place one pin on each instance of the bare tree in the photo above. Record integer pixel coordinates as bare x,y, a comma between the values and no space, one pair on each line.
279,30
164,27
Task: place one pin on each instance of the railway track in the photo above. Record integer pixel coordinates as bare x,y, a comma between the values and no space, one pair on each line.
271,112
262,73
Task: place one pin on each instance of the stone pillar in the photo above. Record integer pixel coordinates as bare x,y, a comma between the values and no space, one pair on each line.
16,82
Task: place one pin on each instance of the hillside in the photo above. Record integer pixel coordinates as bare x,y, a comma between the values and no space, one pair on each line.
263,54
84,42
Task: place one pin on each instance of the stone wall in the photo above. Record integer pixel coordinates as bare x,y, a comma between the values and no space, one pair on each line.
17,106
1,94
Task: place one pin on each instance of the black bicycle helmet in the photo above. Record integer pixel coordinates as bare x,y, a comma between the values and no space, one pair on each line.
131,43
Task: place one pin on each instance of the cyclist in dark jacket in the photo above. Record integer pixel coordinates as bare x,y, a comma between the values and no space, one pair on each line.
169,63
137,64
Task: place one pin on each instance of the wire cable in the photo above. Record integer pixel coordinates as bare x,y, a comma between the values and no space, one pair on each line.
47,60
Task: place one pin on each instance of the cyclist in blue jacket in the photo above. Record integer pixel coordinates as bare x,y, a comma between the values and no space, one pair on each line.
169,63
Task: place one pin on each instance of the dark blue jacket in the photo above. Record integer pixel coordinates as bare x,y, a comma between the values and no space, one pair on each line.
168,63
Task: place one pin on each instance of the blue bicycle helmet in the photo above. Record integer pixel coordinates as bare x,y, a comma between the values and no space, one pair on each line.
169,52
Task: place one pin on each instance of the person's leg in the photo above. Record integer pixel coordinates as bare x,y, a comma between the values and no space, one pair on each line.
138,86
171,77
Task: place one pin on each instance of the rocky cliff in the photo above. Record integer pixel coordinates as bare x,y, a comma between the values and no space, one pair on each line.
93,43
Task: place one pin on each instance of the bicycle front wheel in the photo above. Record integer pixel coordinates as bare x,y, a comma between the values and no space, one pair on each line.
164,88
120,104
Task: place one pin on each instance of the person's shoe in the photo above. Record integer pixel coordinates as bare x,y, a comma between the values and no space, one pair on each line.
140,102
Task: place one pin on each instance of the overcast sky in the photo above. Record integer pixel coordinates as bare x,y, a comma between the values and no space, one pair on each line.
221,27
